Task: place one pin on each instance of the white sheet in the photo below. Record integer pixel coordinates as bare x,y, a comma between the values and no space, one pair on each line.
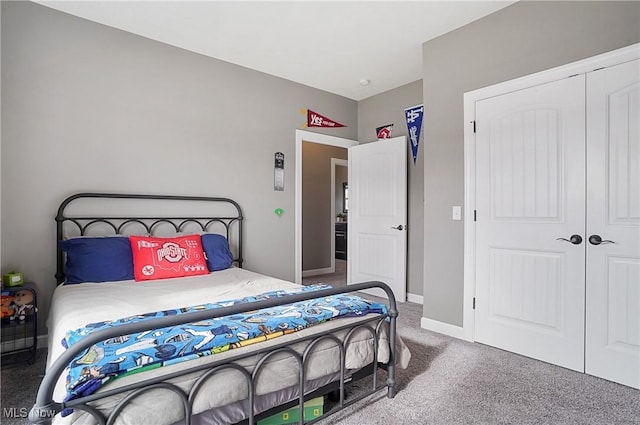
76,305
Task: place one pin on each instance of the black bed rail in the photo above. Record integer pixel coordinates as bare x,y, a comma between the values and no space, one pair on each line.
45,408
118,222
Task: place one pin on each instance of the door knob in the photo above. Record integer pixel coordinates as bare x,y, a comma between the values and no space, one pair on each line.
574,239
597,240
400,227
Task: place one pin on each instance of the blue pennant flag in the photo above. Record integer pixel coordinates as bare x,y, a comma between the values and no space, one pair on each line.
414,124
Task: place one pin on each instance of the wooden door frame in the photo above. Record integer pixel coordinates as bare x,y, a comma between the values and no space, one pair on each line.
614,57
323,139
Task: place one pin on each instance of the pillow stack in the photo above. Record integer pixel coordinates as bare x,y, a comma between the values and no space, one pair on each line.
116,258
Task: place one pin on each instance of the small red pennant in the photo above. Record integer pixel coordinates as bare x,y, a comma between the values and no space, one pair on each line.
314,119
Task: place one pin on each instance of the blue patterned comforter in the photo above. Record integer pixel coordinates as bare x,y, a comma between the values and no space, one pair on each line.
129,354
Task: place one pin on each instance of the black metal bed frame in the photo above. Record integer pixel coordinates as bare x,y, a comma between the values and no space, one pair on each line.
45,407
118,223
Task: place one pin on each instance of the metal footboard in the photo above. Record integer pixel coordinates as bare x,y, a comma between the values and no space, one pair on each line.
46,408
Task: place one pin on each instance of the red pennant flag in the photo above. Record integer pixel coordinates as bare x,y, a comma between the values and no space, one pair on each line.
314,119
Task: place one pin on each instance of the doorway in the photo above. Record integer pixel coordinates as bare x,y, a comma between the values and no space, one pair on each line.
340,210
324,224
377,231
318,270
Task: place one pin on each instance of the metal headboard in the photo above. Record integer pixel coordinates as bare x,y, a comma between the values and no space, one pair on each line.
117,223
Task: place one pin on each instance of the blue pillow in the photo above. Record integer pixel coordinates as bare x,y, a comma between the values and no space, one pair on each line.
98,259
216,249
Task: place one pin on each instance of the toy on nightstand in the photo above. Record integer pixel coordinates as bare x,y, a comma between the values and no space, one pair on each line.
6,305
13,278
22,304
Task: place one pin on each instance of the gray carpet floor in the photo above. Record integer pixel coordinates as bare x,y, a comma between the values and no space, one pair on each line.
335,279
448,381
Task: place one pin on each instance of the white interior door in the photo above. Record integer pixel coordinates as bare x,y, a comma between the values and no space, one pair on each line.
530,191
377,237
613,214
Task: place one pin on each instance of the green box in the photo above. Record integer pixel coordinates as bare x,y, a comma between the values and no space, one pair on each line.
12,278
312,409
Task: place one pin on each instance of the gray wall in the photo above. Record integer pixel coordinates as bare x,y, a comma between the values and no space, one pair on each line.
317,217
388,108
91,108
521,39
87,107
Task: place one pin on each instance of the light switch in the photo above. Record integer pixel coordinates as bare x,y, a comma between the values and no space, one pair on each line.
457,212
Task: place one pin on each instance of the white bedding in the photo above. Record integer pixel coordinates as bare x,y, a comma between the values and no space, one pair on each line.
76,305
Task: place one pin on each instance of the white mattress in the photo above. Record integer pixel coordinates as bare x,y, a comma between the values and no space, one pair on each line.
74,306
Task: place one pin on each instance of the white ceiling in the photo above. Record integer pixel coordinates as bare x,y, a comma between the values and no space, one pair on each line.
329,45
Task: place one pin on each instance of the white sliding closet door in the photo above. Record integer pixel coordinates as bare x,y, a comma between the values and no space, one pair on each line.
530,191
613,214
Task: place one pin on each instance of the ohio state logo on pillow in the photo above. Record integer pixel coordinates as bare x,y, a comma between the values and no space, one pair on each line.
162,258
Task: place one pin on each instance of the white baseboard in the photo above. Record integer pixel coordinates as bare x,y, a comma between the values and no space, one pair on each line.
307,273
444,328
413,298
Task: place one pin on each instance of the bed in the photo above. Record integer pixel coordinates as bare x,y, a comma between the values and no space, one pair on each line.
219,345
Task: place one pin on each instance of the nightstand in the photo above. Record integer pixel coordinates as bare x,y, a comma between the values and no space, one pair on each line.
19,323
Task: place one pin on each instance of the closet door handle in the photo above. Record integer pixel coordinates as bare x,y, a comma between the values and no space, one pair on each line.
400,227
574,239
597,240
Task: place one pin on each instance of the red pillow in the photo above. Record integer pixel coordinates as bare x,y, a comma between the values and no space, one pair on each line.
162,258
